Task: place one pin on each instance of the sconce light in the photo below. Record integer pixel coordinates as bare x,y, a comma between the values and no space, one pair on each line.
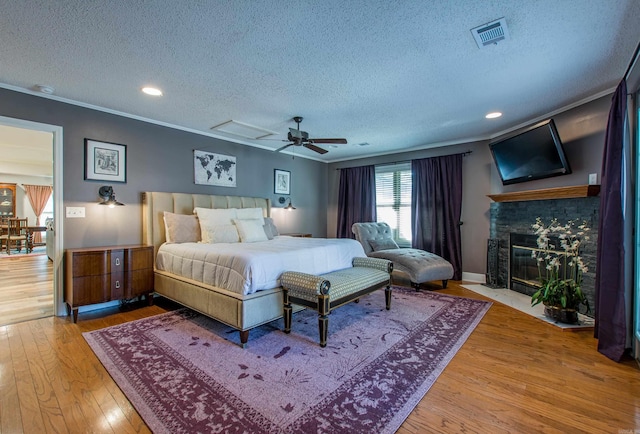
288,207
108,196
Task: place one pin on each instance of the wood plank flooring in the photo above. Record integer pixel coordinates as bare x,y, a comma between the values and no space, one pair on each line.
514,374
26,284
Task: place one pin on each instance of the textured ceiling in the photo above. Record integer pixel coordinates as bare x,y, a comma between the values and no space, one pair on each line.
397,75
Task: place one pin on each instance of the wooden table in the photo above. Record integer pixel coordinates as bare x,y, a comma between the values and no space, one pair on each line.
30,232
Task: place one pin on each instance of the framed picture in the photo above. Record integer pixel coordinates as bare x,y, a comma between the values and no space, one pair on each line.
282,182
105,161
214,169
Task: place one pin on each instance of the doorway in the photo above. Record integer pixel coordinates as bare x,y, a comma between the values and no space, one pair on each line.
20,173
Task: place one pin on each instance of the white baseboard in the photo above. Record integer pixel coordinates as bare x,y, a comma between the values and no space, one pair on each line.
474,277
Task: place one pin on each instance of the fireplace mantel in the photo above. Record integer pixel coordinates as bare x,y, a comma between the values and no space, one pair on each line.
548,193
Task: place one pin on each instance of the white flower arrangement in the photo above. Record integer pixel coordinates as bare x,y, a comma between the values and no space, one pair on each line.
560,270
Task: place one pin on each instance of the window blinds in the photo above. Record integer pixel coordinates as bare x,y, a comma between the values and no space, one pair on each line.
393,200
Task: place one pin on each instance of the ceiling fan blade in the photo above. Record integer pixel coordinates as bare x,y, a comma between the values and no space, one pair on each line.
334,141
284,147
315,148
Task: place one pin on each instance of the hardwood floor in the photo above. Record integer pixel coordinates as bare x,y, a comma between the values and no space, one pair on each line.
27,288
514,374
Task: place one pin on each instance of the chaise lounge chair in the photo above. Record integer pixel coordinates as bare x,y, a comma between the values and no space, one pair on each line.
419,265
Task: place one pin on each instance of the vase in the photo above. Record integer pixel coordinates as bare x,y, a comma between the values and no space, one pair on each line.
567,316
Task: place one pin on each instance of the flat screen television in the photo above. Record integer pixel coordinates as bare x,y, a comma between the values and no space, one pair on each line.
534,154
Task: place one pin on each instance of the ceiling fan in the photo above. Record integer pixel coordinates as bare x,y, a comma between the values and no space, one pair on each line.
301,138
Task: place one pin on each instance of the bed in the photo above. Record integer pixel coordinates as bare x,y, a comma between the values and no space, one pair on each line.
241,299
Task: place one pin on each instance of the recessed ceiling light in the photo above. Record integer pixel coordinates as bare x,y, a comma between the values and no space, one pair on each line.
493,115
152,91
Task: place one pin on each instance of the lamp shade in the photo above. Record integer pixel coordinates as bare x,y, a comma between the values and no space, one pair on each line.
108,196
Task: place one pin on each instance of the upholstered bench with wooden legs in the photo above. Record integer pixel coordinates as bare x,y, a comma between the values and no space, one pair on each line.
331,290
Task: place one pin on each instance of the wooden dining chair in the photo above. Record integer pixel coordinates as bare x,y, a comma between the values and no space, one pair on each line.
4,232
17,234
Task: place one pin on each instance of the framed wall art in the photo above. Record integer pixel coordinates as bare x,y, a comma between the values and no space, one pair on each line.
214,169
281,181
105,161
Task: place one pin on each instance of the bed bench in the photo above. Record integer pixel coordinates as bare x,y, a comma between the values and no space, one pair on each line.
331,290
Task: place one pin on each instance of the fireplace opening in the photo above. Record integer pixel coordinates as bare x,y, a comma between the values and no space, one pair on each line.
523,267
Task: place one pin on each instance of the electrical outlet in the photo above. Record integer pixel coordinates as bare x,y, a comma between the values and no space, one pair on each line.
593,178
75,212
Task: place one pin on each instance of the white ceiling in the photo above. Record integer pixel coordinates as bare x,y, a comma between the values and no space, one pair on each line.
396,74
25,152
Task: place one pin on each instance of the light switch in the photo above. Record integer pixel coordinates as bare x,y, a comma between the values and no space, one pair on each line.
75,212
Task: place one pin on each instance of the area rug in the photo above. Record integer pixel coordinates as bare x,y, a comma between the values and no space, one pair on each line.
186,373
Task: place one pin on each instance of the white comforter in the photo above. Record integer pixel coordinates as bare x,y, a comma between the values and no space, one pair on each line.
245,268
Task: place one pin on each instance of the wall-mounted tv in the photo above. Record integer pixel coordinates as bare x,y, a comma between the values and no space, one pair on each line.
534,154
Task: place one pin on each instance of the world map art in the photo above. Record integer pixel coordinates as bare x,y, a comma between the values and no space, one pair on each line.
214,169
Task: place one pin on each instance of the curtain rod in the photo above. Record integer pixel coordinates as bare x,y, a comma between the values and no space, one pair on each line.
464,154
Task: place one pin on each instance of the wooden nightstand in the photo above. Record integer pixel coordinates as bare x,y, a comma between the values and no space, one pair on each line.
299,235
100,274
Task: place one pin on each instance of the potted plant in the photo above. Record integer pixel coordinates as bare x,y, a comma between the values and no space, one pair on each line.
560,269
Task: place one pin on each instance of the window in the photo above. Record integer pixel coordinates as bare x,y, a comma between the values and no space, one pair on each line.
47,212
393,200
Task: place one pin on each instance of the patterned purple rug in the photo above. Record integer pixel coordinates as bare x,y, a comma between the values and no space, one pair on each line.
185,373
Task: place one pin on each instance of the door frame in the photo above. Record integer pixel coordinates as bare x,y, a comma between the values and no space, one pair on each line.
58,214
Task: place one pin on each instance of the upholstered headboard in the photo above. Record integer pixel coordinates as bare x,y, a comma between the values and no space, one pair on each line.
154,204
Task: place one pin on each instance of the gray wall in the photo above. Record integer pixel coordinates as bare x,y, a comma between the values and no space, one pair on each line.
582,131
161,159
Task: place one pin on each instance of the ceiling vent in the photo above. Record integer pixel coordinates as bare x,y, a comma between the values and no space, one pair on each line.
491,33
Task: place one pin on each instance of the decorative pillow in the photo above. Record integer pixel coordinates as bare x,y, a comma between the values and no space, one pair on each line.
210,218
383,244
270,228
250,230
224,234
250,213
181,228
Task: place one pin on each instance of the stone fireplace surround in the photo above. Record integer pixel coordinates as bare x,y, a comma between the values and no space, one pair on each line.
517,217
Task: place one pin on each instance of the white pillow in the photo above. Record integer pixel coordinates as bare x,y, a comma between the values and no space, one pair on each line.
210,218
224,234
250,230
181,228
250,213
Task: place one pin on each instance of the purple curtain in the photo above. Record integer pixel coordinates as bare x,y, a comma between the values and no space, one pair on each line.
356,198
436,206
610,327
